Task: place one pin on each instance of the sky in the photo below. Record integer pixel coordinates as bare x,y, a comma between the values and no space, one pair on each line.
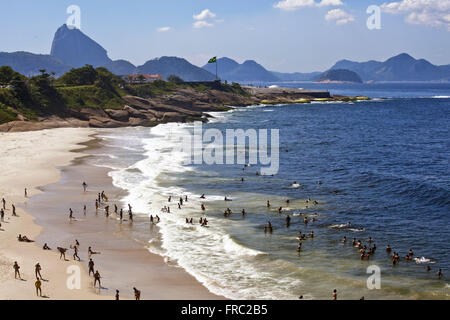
282,35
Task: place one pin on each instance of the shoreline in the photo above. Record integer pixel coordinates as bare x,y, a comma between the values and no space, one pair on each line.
135,262
32,163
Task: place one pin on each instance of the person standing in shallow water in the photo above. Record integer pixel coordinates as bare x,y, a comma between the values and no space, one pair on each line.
85,186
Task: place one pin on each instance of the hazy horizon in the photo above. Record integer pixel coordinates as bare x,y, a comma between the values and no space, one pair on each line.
282,35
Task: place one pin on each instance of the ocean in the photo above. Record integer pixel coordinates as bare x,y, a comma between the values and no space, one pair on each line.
383,166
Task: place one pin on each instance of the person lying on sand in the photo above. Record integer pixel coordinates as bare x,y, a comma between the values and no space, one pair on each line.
24,239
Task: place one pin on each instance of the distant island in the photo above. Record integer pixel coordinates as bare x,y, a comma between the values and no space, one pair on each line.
73,49
339,76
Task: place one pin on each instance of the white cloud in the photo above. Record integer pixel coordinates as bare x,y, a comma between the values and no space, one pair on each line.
333,3
433,13
291,5
164,29
202,24
203,19
205,14
340,16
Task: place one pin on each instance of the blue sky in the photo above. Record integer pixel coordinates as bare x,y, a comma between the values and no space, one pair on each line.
283,35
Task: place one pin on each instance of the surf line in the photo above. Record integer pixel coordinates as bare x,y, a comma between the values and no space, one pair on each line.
207,147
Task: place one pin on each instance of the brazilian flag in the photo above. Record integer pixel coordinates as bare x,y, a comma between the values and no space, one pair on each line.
213,60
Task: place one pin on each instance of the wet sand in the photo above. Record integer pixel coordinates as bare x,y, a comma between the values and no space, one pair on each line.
124,262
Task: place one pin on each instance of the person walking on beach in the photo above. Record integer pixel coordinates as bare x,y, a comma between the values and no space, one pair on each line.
84,210
16,270
117,295
107,211
85,186
439,274
96,204
26,193
4,203
97,277
121,214
70,214
13,210
91,267
137,294
2,215
75,253
37,271
38,287
115,208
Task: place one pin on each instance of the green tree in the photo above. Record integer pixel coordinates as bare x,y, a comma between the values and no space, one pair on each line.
175,79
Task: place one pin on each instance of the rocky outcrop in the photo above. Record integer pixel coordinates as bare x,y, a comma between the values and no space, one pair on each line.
184,105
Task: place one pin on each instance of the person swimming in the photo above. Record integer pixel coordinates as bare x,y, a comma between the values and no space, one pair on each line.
388,249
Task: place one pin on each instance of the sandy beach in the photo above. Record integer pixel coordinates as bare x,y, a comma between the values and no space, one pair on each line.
49,163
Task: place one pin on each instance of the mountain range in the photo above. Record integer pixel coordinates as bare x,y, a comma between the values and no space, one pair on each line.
402,67
71,48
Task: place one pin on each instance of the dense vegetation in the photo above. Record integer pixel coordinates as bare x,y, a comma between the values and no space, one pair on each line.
45,95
